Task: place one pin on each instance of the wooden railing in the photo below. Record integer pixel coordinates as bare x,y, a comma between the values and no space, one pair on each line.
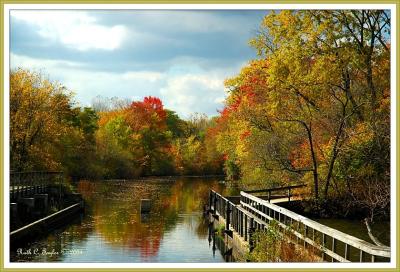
236,218
269,191
254,213
27,183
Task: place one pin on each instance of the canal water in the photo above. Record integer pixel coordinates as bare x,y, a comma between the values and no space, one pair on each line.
112,228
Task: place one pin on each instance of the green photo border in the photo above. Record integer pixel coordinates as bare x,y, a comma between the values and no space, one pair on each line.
397,112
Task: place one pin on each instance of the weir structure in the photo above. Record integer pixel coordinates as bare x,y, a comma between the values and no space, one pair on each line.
243,215
39,200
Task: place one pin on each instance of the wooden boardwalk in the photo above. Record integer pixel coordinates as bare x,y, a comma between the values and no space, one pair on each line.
39,201
255,213
24,184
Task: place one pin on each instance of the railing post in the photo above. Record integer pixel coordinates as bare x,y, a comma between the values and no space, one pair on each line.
288,194
25,185
22,187
241,224
18,184
215,204
234,215
228,212
210,200
245,227
251,232
333,246
12,184
347,252
305,235
33,188
33,185
269,196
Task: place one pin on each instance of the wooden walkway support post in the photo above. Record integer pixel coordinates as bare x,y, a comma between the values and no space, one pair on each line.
210,200
228,215
251,235
215,205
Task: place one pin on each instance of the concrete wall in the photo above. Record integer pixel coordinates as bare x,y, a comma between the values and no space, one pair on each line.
36,214
240,247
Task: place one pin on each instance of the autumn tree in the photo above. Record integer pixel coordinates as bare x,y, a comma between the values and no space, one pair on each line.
148,121
39,114
114,146
76,149
320,83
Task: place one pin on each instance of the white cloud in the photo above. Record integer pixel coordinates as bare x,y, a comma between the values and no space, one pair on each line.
219,100
191,93
88,84
140,75
38,64
196,90
75,29
169,41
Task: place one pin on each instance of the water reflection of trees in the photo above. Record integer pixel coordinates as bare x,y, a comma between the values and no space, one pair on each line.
116,215
56,244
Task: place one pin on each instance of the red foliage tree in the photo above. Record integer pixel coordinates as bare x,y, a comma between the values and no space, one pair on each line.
147,113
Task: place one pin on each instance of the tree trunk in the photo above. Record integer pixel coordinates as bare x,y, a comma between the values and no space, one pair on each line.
314,160
373,238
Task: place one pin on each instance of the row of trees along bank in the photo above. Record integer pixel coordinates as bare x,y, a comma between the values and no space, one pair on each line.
114,139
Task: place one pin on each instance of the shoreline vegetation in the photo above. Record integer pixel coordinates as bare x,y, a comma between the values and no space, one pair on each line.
273,246
312,108
168,177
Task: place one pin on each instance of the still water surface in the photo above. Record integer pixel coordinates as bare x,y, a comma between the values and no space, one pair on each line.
357,228
113,230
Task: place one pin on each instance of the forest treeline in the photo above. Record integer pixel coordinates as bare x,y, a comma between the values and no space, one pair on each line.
114,138
313,108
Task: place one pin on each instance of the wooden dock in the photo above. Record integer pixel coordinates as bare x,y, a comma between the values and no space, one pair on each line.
253,213
23,184
38,201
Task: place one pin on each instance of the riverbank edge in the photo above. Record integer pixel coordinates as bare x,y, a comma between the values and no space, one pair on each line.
45,224
240,248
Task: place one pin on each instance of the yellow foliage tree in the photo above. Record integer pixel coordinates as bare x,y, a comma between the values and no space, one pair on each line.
39,114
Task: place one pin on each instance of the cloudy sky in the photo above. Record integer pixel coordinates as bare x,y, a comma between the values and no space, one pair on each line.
182,57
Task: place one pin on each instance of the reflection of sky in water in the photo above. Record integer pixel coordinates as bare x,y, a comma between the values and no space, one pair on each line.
113,231
197,250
